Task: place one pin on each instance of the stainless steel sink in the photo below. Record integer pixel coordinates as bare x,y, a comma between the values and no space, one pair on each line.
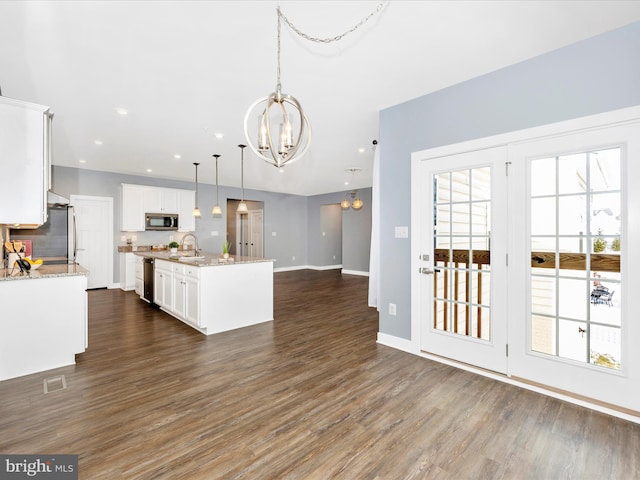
192,258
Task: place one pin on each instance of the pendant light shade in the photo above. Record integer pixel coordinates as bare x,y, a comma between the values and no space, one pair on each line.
217,210
196,210
242,206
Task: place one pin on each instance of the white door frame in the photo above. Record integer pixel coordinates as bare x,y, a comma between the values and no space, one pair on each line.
109,202
597,121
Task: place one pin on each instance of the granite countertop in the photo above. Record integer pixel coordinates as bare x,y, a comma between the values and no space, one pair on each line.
45,271
209,260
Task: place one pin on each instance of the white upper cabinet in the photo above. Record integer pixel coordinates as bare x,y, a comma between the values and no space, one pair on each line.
132,213
186,220
160,200
25,145
138,200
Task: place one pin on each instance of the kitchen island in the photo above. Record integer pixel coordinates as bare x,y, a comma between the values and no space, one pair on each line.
43,324
212,294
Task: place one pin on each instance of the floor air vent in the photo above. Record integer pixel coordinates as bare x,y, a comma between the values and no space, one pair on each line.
54,384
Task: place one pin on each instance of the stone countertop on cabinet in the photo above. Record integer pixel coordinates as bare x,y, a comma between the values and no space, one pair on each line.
207,260
45,271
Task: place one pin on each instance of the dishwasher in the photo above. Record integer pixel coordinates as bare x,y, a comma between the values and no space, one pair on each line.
148,279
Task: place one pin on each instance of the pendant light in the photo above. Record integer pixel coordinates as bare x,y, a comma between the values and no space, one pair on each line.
196,210
288,114
242,206
288,147
356,204
217,210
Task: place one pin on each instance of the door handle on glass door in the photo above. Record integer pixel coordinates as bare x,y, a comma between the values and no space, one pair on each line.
426,271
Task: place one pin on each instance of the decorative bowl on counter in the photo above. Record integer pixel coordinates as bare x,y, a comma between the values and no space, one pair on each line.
35,264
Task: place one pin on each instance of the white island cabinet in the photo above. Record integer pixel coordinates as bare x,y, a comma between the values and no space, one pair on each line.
212,295
44,319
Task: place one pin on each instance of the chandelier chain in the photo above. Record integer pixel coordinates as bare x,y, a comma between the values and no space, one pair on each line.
337,38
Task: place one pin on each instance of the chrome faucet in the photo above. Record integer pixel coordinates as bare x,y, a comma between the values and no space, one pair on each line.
197,249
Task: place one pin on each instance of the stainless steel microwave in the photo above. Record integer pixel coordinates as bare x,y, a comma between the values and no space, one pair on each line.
161,221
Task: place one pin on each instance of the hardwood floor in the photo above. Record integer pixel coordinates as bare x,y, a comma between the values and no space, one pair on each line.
308,396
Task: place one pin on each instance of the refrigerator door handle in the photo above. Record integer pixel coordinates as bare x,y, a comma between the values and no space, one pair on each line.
75,234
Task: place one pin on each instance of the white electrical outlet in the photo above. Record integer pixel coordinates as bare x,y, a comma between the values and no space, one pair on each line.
273,234
324,234
293,258
334,257
171,238
214,233
392,309
123,238
134,238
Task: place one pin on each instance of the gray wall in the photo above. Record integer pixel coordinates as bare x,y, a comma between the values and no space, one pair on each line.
589,77
285,215
355,238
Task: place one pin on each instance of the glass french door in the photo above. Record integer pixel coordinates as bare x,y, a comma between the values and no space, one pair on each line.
572,250
524,258
463,230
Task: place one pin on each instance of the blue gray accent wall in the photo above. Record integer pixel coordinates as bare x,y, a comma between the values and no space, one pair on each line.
294,219
593,76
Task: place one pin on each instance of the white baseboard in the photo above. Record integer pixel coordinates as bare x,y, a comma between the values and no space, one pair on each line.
408,346
355,272
306,267
397,343
113,285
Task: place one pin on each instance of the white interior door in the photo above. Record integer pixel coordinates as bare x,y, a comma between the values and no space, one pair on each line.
462,248
94,221
575,203
255,233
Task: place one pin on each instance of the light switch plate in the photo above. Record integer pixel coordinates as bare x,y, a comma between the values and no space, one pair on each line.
402,232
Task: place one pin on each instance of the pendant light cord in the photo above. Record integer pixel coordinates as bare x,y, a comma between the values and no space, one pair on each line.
242,171
336,38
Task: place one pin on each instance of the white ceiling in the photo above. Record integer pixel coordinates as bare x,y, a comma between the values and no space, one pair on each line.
187,69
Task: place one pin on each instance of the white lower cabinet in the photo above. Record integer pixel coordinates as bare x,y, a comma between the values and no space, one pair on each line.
127,271
177,290
162,287
139,275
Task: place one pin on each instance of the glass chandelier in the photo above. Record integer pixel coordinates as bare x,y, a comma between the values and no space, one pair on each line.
294,130
288,115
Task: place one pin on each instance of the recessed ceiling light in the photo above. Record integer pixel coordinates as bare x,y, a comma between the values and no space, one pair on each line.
282,170
98,142
82,160
361,150
177,156
346,183
122,111
149,170
219,135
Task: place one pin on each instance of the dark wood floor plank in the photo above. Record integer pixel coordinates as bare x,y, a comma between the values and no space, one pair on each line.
310,395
